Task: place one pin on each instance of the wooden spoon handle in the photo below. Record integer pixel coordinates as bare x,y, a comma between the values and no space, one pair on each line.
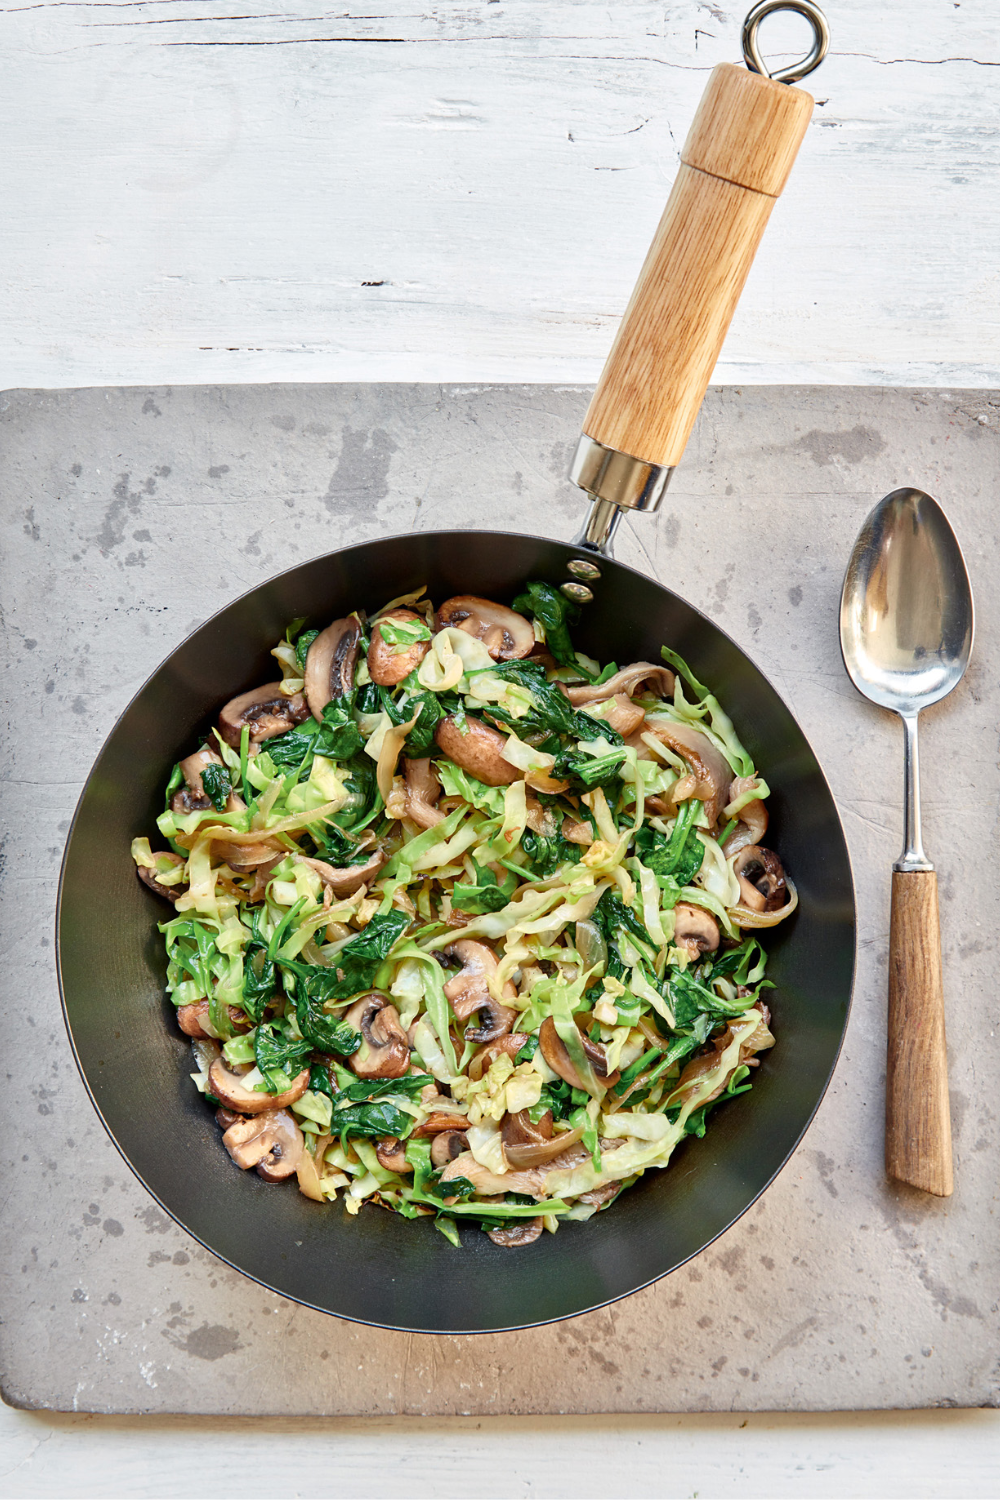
734,164
917,1119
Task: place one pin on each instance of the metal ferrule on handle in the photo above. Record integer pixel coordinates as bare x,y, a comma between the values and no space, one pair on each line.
734,165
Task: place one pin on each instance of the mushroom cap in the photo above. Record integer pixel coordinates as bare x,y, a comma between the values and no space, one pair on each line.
384,1050
438,1123
762,878
447,1145
469,989
510,1043
533,1145
265,711
272,1142
695,929
391,1153
518,1232
228,1089
196,1019
553,1049
330,664
505,634
386,665
479,750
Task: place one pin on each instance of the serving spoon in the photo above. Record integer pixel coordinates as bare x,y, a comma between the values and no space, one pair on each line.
906,627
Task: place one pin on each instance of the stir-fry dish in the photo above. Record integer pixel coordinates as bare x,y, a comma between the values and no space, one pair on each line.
464,920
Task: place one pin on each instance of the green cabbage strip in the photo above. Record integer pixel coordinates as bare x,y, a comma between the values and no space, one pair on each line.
424,842
435,1000
722,725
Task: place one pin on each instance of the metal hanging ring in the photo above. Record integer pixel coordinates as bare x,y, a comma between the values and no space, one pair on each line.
816,53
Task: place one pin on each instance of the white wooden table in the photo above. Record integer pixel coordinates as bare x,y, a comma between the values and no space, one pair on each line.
465,193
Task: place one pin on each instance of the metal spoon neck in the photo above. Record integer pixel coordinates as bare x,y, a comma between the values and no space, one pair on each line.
913,856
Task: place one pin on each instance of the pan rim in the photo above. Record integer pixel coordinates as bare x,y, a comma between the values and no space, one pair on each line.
436,534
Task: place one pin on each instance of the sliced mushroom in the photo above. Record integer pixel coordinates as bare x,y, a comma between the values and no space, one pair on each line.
422,790
623,715
510,1043
391,1153
577,833
469,990
192,797
228,1089
262,854
528,1145
599,1197
753,818
386,664
227,1117
446,1146
330,663
529,1180
695,929
505,634
271,1142
709,776
344,880
757,1041
479,750
553,1049
148,878
438,1123
761,877
518,1232
265,711
384,1050
196,1019
627,681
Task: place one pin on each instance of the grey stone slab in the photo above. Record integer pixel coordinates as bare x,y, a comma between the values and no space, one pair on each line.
129,516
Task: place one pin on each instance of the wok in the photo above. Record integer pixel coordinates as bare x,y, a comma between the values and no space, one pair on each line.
380,1268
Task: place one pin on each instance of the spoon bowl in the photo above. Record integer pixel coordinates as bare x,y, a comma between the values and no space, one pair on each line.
906,614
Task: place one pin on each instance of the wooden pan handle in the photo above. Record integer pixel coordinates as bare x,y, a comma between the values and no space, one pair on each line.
917,1120
735,163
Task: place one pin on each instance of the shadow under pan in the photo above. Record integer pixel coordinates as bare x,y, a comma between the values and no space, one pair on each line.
380,1268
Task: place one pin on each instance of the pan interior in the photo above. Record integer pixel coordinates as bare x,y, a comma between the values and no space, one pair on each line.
380,1268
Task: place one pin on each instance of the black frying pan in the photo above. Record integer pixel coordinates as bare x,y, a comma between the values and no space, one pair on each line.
380,1268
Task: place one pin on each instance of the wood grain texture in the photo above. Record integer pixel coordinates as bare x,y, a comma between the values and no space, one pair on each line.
735,161
917,1116
748,129
664,353
193,192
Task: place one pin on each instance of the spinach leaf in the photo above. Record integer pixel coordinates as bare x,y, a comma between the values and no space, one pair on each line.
556,613
259,980
368,1112
302,645
288,751
546,855
588,771
677,857
457,1187
218,784
356,964
553,710
277,1054
488,894
528,1051
339,737
325,1033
